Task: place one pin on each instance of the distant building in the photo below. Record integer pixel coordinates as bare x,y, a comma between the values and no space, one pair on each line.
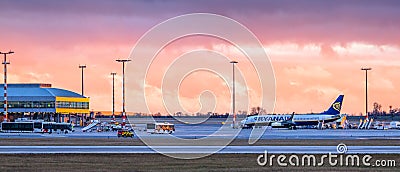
41,101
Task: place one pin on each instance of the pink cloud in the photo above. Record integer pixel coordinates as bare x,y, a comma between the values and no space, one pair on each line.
316,47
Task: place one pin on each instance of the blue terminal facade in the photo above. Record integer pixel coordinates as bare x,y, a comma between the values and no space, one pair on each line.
40,99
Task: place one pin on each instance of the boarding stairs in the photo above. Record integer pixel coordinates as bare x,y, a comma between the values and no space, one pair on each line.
91,125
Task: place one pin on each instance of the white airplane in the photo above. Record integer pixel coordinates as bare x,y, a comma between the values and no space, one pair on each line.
291,121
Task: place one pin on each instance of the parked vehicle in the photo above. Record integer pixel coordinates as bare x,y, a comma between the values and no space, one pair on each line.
394,125
160,128
124,133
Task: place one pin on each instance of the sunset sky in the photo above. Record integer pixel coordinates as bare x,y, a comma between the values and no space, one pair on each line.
317,49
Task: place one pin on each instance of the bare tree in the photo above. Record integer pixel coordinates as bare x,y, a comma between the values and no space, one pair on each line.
257,110
377,109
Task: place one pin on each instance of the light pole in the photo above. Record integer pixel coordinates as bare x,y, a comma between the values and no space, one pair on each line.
5,83
366,90
113,97
233,93
82,67
123,89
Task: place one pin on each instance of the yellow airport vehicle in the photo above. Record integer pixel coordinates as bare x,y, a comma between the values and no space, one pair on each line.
124,133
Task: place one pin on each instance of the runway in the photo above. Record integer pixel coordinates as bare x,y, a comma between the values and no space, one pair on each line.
197,149
208,130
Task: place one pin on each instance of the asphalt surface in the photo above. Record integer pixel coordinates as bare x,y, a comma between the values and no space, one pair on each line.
198,149
210,130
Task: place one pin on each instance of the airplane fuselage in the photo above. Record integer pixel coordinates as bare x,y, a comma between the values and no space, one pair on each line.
298,120
330,115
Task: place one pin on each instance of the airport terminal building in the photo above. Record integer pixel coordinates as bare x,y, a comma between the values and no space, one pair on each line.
41,101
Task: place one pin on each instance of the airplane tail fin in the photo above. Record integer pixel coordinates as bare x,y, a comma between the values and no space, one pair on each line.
335,107
291,117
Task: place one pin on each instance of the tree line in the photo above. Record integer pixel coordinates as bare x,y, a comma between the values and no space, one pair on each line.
378,111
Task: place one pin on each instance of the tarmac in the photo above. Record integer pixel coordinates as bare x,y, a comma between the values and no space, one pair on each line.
217,131
198,149
198,131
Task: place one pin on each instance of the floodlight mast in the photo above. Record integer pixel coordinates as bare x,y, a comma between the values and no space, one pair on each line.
233,93
366,90
82,67
5,83
123,61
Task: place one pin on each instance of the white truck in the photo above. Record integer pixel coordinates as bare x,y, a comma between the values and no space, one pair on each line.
160,128
394,125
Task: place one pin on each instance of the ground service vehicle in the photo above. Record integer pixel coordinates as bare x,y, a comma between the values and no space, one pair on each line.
52,126
395,125
17,126
160,128
36,126
124,133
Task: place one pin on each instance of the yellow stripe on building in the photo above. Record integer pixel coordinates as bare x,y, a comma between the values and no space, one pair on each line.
68,110
71,99
71,110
